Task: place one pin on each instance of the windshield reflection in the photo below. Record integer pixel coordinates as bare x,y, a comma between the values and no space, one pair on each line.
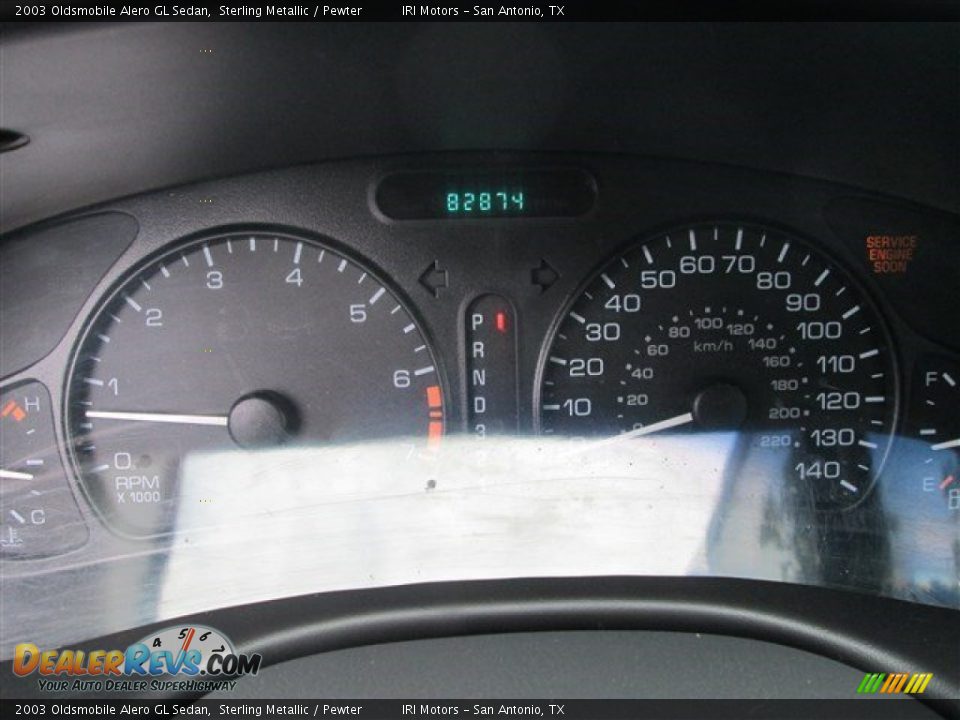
375,514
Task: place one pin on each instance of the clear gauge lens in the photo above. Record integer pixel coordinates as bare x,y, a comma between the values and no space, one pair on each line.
736,330
236,343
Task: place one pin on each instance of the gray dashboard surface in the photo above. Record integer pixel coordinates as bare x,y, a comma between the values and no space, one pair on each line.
118,109
596,665
75,256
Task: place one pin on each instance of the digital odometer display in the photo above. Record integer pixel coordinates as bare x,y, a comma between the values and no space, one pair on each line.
729,328
566,192
498,201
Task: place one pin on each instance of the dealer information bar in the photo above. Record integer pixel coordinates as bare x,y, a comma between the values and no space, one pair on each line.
556,11
409,709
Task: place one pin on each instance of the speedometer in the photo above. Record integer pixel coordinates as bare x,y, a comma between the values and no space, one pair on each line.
237,343
729,328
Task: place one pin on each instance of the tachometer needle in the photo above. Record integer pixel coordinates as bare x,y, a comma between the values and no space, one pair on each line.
946,445
650,429
14,475
218,420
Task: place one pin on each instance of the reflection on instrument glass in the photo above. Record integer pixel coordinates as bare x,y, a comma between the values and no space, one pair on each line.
39,514
240,342
730,328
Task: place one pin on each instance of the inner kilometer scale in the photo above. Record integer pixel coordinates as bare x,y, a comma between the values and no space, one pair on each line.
729,327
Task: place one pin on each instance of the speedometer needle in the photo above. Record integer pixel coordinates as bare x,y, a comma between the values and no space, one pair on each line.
218,420
14,475
656,427
946,445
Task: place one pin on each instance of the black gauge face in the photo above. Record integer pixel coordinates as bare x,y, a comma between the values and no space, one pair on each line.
235,343
729,328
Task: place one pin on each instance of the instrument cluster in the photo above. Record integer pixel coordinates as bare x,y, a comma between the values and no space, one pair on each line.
591,352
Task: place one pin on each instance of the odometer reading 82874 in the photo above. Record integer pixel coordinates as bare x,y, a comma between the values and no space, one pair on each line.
729,328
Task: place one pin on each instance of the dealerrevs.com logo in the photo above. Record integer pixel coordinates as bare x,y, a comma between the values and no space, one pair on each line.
177,658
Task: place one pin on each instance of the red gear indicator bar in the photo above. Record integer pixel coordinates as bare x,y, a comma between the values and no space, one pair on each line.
491,353
435,426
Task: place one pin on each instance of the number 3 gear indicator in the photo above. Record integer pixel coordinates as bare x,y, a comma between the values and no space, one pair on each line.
39,514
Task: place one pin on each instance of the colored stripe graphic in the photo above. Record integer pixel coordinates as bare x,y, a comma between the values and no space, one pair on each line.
918,683
894,683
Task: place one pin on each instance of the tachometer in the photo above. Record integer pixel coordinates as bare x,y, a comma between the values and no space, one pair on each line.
734,328
234,342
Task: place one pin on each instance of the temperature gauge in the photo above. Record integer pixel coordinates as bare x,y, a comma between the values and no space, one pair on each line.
936,424
39,514
491,353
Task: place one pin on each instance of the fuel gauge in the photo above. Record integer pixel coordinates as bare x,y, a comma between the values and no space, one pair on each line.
38,514
936,424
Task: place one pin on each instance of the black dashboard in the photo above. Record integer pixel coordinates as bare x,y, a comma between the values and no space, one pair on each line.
498,353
